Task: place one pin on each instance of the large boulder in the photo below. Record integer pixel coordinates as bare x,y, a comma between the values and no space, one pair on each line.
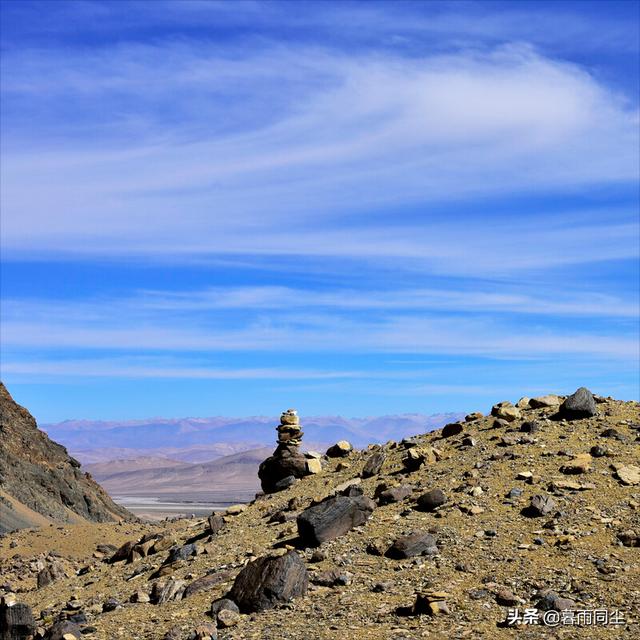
16,621
431,500
580,404
286,461
332,518
269,581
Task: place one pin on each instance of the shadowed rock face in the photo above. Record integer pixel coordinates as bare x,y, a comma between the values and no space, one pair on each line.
39,474
269,581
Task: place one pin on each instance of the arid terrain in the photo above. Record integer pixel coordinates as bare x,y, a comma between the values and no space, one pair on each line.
437,536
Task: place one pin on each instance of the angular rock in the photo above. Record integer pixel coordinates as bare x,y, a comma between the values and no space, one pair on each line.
313,466
222,604
216,522
204,631
578,405
630,538
505,411
413,459
541,505
333,517
64,630
340,449
432,500
431,602
542,402
394,494
418,543
181,553
167,590
472,417
269,581
123,552
579,464
452,429
374,464
52,572
206,582
628,474
227,618
332,578
551,601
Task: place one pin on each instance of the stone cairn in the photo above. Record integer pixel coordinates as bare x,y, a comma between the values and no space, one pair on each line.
289,431
287,463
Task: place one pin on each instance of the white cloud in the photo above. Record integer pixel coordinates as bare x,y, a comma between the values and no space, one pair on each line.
324,138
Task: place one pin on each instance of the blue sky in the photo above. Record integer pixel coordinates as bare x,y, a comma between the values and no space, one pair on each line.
349,207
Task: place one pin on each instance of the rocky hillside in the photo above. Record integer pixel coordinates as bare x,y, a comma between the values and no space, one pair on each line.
39,482
535,506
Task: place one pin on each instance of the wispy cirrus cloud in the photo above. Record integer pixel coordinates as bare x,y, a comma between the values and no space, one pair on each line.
360,200
342,134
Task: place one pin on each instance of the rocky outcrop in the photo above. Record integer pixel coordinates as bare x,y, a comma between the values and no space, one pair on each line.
39,481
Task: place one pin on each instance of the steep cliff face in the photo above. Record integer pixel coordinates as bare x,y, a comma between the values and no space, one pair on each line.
39,481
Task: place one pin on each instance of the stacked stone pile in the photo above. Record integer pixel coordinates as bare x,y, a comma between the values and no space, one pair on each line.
289,431
288,463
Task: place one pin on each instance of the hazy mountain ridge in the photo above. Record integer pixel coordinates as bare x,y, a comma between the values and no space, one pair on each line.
201,439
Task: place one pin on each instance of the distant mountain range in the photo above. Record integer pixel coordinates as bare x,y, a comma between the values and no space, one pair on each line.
230,476
197,440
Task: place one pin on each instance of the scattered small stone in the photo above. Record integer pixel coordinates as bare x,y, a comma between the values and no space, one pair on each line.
598,452
506,598
227,618
111,604
222,604
580,464
541,506
550,600
628,474
394,494
418,543
332,578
